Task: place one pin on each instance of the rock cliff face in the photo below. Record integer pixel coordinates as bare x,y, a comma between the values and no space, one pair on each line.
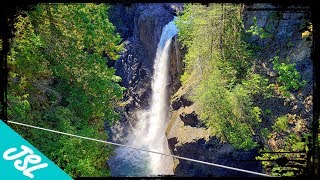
288,43
177,53
188,137
140,26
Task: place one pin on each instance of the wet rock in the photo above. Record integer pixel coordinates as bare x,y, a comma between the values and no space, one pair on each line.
149,26
177,53
140,26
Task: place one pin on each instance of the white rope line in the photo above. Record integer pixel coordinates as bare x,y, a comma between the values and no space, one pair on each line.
139,149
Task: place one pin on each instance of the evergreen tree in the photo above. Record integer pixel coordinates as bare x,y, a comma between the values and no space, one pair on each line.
59,80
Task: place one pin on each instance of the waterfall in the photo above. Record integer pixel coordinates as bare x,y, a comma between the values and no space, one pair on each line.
159,104
149,132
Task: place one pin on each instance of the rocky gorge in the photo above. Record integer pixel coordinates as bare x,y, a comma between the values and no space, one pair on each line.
140,26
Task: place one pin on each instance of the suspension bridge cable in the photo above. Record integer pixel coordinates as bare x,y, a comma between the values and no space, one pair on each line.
139,149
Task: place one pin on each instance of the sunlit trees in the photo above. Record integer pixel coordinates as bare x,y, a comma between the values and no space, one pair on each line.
59,80
221,62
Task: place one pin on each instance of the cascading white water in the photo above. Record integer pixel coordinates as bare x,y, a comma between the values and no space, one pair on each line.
149,132
159,104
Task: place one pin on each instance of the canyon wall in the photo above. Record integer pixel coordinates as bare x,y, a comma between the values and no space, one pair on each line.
140,26
189,137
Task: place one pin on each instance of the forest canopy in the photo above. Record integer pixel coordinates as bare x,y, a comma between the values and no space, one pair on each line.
59,79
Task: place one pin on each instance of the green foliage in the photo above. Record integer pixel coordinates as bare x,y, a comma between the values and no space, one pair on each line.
256,112
255,30
265,133
59,80
184,77
295,142
222,62
281,124
292,143
186,24
288,77
288,141
240,136
235,51
223,111
256,84
268,112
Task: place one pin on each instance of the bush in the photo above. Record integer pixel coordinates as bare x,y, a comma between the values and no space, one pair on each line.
281,124
255,30
288,77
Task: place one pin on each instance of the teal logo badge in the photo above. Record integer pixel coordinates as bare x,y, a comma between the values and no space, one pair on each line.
20,160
